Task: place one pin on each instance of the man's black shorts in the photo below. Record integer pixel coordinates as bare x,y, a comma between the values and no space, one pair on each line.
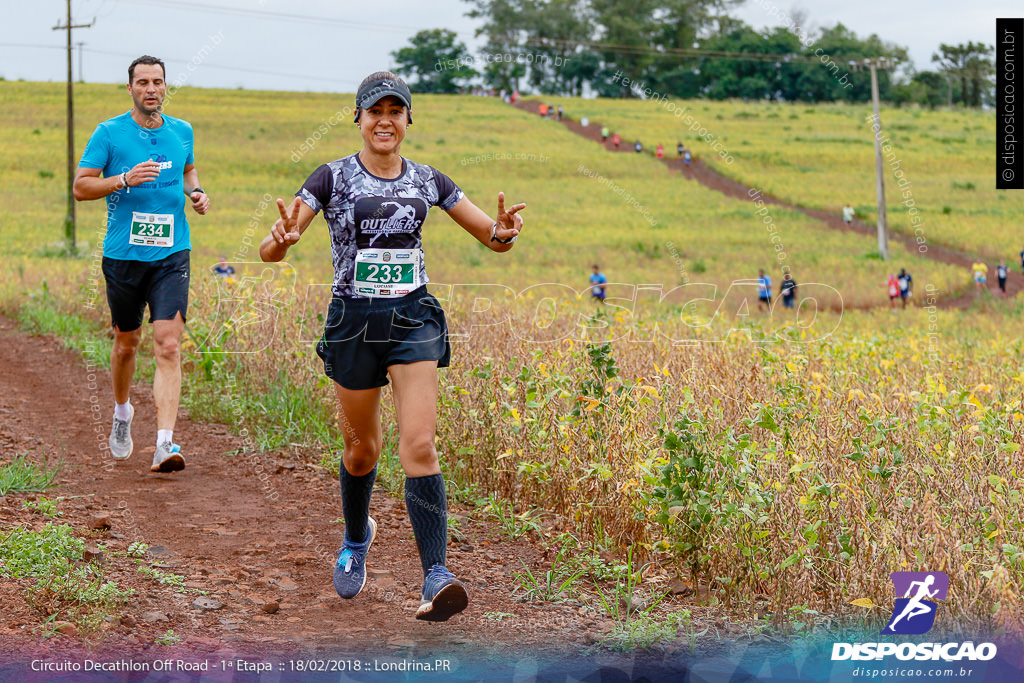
133,284
364,336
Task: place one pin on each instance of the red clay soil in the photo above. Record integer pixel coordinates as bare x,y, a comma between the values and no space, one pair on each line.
266,559
710,178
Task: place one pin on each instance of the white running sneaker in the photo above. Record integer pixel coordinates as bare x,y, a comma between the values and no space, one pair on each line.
121,445
167,458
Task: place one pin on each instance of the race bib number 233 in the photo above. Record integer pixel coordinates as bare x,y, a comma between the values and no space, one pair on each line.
387,272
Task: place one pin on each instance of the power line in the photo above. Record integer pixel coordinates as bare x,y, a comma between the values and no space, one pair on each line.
230,68
283,16
185,61
33,45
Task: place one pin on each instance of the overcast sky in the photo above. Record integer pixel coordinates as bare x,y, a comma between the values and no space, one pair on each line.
327,45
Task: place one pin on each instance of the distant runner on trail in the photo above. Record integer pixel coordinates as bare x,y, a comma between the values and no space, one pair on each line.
787,290
148,168
638,146
1001,272
679,149
906,285
604,134
659,151
598,284
848,214
893,287
616,140
764,290
980,273
383,323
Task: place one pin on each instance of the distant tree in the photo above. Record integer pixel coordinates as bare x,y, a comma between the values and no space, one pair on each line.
721,77
438,62
635,37
557,62
800,68
968,65
505,26
832,77
925,88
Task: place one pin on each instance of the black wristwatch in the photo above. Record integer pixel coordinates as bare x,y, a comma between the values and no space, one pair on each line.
197,189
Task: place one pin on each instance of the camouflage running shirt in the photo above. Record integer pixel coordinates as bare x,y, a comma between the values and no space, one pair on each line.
376,218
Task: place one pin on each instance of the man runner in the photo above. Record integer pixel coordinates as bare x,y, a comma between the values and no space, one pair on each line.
147,167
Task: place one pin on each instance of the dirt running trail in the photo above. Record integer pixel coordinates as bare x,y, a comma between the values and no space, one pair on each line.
253,546
710,178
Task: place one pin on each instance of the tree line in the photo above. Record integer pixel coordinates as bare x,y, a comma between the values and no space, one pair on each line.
684,49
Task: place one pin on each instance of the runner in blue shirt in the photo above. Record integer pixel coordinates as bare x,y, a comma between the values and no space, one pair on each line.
764,291
223,268
382,323
142,163
598,282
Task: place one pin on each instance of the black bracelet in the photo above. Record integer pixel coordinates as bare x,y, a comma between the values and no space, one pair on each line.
495,238
197,189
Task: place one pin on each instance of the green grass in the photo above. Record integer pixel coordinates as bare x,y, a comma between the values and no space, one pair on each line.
514,525
22,475
168,638
554,585
65,589
24,552
42,313
44,506
649,632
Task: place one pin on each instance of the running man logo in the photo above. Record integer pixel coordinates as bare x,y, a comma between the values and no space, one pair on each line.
914,613
384,222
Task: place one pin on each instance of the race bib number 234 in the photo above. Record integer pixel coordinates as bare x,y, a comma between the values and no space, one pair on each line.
152,229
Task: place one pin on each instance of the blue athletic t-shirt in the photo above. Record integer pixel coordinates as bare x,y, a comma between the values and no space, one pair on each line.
116,146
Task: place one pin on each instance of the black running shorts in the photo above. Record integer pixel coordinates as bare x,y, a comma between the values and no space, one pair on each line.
133,284
364,336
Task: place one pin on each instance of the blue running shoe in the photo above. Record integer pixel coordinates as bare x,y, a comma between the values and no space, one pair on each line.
443,595
350,569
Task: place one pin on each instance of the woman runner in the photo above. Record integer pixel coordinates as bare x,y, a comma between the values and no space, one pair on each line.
383,323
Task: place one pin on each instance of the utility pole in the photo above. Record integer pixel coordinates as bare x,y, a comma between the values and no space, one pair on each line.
883,230
69,221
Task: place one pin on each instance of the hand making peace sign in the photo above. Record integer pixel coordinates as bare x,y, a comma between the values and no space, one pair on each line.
286,228
509,222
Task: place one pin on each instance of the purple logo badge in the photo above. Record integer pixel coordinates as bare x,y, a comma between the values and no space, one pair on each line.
914,611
